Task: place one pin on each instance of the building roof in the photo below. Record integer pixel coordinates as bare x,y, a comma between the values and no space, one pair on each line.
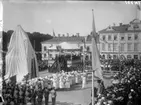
122,28
75,39
78,39
115,29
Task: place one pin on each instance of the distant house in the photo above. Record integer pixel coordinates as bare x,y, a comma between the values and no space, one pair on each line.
66,45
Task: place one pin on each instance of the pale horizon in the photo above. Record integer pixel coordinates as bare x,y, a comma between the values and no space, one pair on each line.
66,16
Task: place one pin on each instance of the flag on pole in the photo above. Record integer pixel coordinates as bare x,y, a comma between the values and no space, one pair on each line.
53,33
84,42
85,38
138,7
96,65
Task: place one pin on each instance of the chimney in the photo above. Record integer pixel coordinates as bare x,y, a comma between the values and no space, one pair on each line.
58,35
67,34
63,35
120,24
78,34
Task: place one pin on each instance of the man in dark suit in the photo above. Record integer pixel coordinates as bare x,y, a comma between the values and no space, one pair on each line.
46,95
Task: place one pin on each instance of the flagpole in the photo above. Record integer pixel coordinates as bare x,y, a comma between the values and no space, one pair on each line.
92,87
92,76
96,65
84,56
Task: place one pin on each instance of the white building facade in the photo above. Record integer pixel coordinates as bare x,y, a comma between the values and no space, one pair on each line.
51,47
76,45
123,40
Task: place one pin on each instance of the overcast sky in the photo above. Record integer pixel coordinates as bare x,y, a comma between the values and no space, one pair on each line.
65,16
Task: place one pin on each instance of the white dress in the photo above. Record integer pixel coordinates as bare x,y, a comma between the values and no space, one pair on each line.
67,84
70,78
61,83
57,83
83,81
54,83
76,79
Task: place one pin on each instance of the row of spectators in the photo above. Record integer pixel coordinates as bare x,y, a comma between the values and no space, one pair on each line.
125,90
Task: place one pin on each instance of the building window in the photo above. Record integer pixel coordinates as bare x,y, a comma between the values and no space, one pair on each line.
103,56
115,37
135,56
45,48
129,47
129,37
140,57
122,37
135,46
136,36
129,56
81,48
109,37
50,55
44,55
103,37
88,48
58,48
103,46
109,47
114,56
122,46
108,56
115,46
136,26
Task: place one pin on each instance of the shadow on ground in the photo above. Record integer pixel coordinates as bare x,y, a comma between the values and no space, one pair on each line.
63,103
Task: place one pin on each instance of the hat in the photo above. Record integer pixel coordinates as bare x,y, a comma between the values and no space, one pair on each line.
132,90
103,98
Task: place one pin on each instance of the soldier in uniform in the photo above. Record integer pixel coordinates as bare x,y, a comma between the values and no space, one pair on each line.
4,92
21,96
39,95
101,87
8,98
49,85
28,95
16,95
46,95
33,95
53,96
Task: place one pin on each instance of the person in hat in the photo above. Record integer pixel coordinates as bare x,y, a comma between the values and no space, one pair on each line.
53,96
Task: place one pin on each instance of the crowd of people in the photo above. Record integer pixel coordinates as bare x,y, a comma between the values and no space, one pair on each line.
27,94
34,91
125,90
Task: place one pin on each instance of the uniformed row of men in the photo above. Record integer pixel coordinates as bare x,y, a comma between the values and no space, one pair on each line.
27,94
